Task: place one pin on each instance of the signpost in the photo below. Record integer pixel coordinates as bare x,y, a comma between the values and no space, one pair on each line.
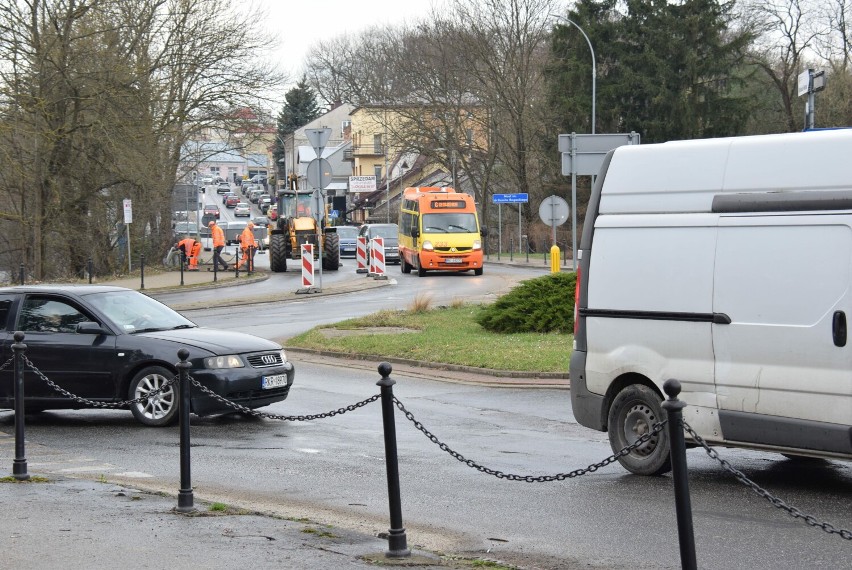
500,199
584,155
128,219
320,180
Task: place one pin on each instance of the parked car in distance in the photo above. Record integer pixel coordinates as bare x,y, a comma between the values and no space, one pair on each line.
223,188
390,236
211,210
111,344
232,200
254,195
242,209
348,240
261,221
272,212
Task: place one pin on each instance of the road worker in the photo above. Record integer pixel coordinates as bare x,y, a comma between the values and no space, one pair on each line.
248,245
218,244
190,250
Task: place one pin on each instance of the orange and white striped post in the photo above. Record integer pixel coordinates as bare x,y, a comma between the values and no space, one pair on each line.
361,254
377,258
307,250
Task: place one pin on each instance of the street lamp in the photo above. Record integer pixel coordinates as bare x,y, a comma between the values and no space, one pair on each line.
594,67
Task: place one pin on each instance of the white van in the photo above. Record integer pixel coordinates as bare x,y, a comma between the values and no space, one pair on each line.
725,264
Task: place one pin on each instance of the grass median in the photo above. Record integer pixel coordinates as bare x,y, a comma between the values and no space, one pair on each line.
448,335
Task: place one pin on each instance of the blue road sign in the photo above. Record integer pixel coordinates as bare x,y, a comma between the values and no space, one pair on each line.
510,198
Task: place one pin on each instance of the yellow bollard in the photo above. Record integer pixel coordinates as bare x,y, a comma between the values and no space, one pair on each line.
554,259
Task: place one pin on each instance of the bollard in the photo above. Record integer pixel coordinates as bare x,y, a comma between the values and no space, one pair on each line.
683,508
182,261
21,274
397,542
511,249
527,247
185,498
19,466
90,269
142,270
237,263
215,264
554,258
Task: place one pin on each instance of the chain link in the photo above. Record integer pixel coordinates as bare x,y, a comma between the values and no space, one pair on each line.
657,428
111,405
775,501
7,363
259,414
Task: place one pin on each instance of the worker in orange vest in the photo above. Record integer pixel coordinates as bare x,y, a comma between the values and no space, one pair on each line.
190,250
218,244
248,245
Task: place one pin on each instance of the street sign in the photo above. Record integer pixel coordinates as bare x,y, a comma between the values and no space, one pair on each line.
584,154
319,173
318,138
521,198
128,211
553,211
334,214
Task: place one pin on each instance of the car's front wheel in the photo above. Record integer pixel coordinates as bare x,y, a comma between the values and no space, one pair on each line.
155,410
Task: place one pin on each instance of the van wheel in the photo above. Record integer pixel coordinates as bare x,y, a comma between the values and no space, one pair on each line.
478,271
420,271
633,413
404,266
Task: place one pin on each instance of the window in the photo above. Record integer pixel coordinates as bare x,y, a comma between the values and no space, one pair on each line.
48,315
377,144
377,170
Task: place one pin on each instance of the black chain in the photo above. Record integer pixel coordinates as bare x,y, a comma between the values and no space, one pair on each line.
80,400
657,428
7,363
775,501
258,414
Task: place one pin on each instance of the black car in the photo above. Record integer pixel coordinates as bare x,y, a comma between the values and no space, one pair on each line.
390,236
111,344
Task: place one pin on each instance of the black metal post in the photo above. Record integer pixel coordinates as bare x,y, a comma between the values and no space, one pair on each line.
511,248
182,261
527,247
237,263
215,264
90,268
19,466
22,274
142,270
185,497
397,541
683,507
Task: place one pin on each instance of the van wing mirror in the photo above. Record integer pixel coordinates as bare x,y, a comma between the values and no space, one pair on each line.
415,232
483,231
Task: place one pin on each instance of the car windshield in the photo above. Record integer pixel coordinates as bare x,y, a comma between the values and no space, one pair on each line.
134,312
449,223
347,232
385,231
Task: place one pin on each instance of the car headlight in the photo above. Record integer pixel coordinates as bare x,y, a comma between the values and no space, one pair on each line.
227,361
427,245
477,244
283,356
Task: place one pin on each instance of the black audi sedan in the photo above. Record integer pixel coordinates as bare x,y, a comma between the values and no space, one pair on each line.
111,344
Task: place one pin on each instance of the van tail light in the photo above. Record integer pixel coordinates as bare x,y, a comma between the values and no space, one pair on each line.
577,303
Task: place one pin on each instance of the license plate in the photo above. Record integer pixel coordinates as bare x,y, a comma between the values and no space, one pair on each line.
453,260
275,381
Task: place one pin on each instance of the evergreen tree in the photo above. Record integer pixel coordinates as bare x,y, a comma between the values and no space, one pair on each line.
665,70
300,108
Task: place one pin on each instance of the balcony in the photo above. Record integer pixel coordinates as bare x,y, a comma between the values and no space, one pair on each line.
363,151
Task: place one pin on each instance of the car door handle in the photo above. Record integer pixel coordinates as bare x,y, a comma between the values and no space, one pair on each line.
838,328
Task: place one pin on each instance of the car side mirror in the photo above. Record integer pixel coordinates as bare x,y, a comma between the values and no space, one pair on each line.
89,327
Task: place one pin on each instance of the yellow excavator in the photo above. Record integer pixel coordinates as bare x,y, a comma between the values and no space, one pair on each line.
297,225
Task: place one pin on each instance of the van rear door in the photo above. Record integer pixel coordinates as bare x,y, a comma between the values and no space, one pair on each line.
784,281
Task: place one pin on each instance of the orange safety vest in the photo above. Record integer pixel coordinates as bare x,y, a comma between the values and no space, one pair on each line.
218,236
247,239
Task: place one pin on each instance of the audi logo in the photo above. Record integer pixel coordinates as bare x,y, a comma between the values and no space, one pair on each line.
268,359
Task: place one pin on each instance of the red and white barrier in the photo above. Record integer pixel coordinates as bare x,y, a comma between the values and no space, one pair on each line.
377,258
307,265
361,254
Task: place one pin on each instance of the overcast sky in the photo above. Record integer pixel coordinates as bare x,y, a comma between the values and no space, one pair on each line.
304,22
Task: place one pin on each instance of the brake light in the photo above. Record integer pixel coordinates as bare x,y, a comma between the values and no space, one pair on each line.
577,303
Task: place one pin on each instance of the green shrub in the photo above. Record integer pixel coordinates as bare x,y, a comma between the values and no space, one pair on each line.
544,304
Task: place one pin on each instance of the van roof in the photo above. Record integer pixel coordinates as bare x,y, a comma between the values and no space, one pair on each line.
685,176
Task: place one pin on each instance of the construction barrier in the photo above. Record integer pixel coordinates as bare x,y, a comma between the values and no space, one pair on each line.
307,265
377,259
361,254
